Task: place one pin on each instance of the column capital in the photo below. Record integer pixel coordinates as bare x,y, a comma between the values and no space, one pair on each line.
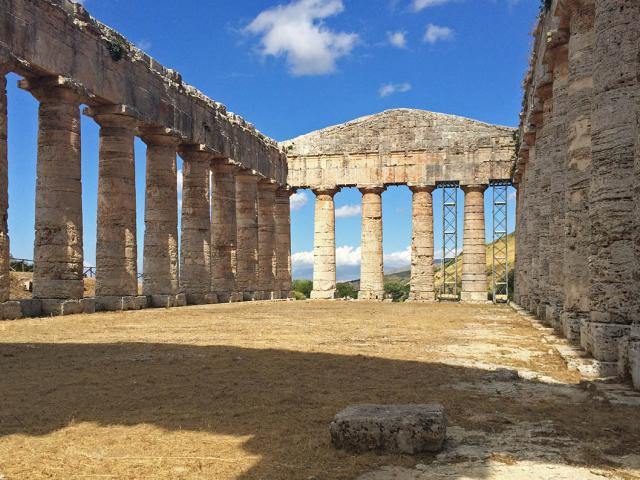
123,116
328,191
268,184
474,188
419,187
248,176
160,136
195,152
55,88
285,191
371,189
224,165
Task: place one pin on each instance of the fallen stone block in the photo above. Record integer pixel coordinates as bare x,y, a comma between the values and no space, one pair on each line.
408,429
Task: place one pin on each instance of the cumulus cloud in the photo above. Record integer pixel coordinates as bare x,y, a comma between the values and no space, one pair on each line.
297,32
418,5
348,211
349,256
398,39
435,33
298,200
392,88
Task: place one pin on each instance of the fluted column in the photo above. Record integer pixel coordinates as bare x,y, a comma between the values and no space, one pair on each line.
116,246
4,194
224,231
267,240
58,247
324,245
160,264
195,259
422,288
371,266
283,241
474,258
247,218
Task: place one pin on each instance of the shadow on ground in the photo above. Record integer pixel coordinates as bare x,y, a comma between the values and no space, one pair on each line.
283,401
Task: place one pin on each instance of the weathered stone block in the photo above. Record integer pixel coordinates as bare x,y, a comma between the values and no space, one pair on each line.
409,429
10,310
140,302
634,362
571,328
623,367
161,301
603,340
31,308
181,300
88,305
57,307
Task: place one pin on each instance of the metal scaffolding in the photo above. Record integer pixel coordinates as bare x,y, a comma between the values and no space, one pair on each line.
500,268
449,266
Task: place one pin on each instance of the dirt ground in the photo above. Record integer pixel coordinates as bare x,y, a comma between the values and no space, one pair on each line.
246,391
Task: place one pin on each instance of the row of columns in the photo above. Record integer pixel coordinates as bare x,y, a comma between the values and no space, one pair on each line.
235,224
474,279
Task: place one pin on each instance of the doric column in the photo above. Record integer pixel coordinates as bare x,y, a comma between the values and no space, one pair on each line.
247,218
224,230
613,289
324,245
267,240
474,258
4,194
283,241
371,266
195,259
422,288
116,246
58,248
160,264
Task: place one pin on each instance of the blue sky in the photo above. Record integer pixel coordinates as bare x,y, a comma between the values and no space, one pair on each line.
291,67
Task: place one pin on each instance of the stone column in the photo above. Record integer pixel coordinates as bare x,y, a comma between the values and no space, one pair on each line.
116,246
613,289
267,240
422,288
160,264
195,259
474,258
578,170
283,242
371,263
4,194
58,247
324,245
224,231
247,218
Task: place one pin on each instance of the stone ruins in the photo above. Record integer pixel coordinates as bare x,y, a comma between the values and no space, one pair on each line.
578,180
401,147
575,162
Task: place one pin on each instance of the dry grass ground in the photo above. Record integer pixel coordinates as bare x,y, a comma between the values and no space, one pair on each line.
246,391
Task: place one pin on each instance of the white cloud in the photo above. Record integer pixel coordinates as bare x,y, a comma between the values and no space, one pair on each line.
349,256
297,32
348,211
436,33
298,200
398,39
391,88
418,5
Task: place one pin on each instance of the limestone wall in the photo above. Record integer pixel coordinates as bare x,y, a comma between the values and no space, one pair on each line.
577,175
59,38
398,147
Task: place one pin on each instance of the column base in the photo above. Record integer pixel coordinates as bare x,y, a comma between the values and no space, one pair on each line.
421,297
166,301
570,326
10,310
323,295
474,297
201,298
370,295
118,303
601,339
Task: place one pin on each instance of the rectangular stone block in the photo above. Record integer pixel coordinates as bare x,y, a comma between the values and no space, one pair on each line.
634,362
407,429
58,307
89,305
10,310
181,300
31,308
118,303
603,340
160,301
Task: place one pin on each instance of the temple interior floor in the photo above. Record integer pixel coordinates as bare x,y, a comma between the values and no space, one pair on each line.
246,391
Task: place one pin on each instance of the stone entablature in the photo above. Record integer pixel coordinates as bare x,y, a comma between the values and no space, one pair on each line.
58,38
399,147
